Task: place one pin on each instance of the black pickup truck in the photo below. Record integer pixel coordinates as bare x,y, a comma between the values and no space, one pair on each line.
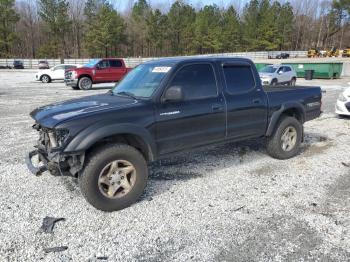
161,108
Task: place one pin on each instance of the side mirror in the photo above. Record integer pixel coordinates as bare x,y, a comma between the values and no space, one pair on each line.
280,72
174,93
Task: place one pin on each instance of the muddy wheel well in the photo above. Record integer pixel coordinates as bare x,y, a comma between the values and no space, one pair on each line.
294,112
129,139
81,76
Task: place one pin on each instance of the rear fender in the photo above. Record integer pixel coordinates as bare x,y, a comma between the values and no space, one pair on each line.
277,115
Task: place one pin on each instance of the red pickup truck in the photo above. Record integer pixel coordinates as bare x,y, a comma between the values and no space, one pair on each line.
96,71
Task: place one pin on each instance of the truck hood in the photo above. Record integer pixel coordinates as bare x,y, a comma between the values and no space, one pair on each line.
51,115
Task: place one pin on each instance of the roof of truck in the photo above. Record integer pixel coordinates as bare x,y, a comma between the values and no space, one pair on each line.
179,59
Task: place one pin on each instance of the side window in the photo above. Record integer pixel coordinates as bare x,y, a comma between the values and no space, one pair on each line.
103,64
286,69
115,63
197,81
60,67
239,78
67,67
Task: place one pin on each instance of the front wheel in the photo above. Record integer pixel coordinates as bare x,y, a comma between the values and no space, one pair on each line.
285,141
274,82
114,177
85,83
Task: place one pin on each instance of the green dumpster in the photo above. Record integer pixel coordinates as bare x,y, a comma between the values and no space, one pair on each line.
321,70
260,65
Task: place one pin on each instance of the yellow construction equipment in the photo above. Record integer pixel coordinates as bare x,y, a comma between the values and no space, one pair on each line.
333,52
313,52
346,52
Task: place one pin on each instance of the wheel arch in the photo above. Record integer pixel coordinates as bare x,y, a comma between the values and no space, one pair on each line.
84,75
41,77
292,109
93,137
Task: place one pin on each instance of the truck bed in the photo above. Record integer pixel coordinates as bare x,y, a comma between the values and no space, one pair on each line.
309,96
284,87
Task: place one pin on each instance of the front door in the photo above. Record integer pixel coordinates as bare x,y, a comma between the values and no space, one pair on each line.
58,72
196,120
102,71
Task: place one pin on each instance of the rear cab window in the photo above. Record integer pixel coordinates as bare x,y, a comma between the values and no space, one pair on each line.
115,63
239,78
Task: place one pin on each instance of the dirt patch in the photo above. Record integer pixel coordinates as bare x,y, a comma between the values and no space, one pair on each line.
279,238
265,170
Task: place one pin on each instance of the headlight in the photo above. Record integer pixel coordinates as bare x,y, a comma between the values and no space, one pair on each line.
342,98
58,137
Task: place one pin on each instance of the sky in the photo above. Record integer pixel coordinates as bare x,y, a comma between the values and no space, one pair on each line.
123,5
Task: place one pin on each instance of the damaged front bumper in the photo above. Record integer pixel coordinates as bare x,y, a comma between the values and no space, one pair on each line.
36,170
58,164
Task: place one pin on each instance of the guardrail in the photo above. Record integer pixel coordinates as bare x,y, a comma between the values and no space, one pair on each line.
134,61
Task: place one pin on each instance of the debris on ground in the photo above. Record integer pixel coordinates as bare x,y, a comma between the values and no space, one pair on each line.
345,164
237,209
49,223
55,249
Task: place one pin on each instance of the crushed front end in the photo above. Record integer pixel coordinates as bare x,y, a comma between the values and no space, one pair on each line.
49,155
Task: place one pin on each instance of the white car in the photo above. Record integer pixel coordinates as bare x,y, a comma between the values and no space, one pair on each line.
342,107
278,74
54,73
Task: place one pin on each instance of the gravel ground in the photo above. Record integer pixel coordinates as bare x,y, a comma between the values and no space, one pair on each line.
224,203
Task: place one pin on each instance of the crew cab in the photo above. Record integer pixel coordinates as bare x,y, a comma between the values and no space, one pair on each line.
96,71
159,109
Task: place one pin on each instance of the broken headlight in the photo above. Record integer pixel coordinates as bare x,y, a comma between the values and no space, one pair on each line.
58,137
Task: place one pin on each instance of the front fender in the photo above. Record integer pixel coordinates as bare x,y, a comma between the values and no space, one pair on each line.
89,136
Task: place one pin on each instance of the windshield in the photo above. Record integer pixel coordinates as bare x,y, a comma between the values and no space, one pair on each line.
268,69
92,63
142,81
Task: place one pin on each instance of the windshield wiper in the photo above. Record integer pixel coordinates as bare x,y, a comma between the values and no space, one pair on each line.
125,93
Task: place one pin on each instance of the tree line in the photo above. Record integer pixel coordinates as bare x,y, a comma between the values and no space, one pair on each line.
95,28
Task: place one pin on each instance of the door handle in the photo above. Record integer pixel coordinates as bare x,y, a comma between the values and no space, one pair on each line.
257,101
216,108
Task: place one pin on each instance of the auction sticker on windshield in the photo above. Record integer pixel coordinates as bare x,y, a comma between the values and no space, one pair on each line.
161,69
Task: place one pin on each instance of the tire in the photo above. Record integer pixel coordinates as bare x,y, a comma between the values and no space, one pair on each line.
275,144
292,82
85,83
45,79
274,82
75,87
98,167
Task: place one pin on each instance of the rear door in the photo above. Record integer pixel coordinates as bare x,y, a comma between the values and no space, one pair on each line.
117,70
246,101
196,120
102,71
288,73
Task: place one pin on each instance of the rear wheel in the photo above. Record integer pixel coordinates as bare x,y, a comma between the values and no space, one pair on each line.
285,141
114,177
85,83
45,79
292,82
